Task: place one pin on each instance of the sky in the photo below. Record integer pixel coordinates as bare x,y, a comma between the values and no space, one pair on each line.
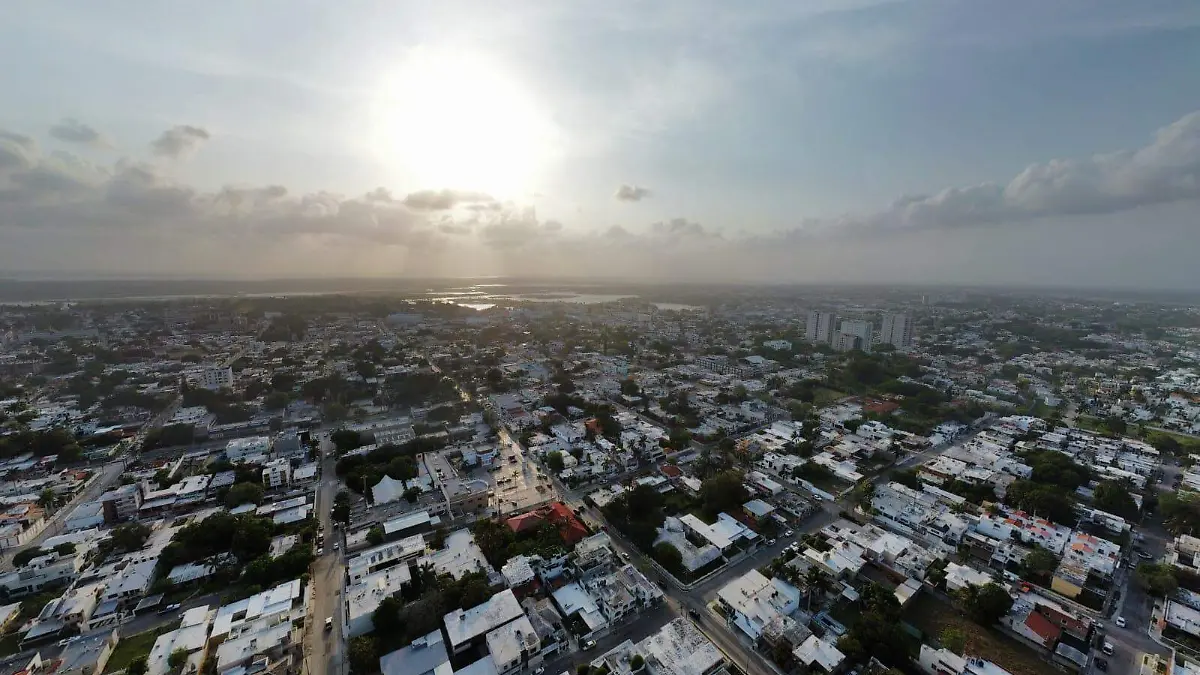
961,142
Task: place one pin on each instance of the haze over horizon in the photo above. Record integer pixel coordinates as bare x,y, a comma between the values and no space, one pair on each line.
902,141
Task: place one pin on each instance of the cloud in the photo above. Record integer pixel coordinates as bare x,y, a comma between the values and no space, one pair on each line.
678,227
179,141
453,228
441,200
71,130
1164,171
16,151
631,193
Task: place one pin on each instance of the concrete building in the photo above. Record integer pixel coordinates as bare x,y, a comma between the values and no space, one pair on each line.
753,601
820,327
121,504
467,628
424,656
277,473
211,377
897,331
945,662
857,328
363,598
244,449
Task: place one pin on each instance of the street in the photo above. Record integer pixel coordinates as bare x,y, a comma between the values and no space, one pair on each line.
106,476
325,651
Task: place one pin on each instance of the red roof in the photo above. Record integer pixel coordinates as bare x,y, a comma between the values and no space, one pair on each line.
671,471
1044,628
569,528
525,521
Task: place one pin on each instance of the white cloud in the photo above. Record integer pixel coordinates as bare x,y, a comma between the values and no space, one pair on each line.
631,193
180,141
71,130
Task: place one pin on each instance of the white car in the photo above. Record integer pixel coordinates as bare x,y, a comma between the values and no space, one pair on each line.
1120,621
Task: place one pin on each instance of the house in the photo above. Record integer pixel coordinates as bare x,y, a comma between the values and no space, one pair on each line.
424,656
191,637
514,646
121,503
363,598
945,662
87,654
753,601
468,628
819,656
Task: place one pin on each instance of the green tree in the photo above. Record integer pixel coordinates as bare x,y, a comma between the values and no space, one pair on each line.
375,536
177,658
1038,564
724,492
554,460
669,557
341,507
244,493
411,494
954,639
22,557
130,537
1158,579
1180,512
47,498
1114,497
985,604
137,666
387,617
363,655
1114,425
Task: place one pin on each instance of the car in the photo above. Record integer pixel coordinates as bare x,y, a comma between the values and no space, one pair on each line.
320,550
692,612
1120,621
1108,648
789,533
590,644
540,670
337,545
770,542
1145,556
1102,664
329,623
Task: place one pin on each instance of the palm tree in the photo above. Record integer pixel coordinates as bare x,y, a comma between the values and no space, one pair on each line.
816,582
47,498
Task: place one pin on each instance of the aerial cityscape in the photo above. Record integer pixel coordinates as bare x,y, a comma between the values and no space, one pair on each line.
585,479
684,337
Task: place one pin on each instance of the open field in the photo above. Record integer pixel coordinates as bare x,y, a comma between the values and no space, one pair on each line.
931,615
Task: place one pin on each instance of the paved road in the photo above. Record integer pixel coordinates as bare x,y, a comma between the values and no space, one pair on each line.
324,650
106,476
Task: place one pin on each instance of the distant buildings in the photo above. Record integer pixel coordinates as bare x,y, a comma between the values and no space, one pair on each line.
853,334
820,327
211,377
897,331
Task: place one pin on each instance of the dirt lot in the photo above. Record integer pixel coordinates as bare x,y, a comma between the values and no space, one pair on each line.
931,615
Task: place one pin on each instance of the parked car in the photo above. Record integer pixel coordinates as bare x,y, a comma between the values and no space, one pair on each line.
789,533
770,542
1108,648
1120,621
1145,556
1102,664
590,644
329,623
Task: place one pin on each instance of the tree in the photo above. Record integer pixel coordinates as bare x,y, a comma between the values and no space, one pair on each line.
375,536
47,498
1114,497
954,639
723,492
1180,512
244,493
669,557
363,655
636,663
64,549
554,460
1038,564
437,539
1115,425
411,494
1158,579
387,617
986,604
22,557
341,507
346,440
131,537
815,583
276,400
137,666
177,659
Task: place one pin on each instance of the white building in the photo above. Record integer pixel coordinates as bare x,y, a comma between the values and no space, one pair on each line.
363,598
753,601
211,377
465,627
945,662
277,473
897,331
820,327
242,449
858,329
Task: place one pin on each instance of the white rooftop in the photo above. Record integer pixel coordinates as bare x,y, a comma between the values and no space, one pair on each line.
465,625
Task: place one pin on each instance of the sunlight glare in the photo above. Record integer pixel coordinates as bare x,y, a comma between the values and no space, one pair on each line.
457,121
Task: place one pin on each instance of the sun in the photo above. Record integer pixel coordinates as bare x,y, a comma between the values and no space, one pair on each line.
451,120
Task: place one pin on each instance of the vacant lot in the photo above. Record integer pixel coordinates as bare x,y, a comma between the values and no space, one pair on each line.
129,648
931,615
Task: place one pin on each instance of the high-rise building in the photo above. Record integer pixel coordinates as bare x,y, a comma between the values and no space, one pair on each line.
845,342
859,328
822,327
897,330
